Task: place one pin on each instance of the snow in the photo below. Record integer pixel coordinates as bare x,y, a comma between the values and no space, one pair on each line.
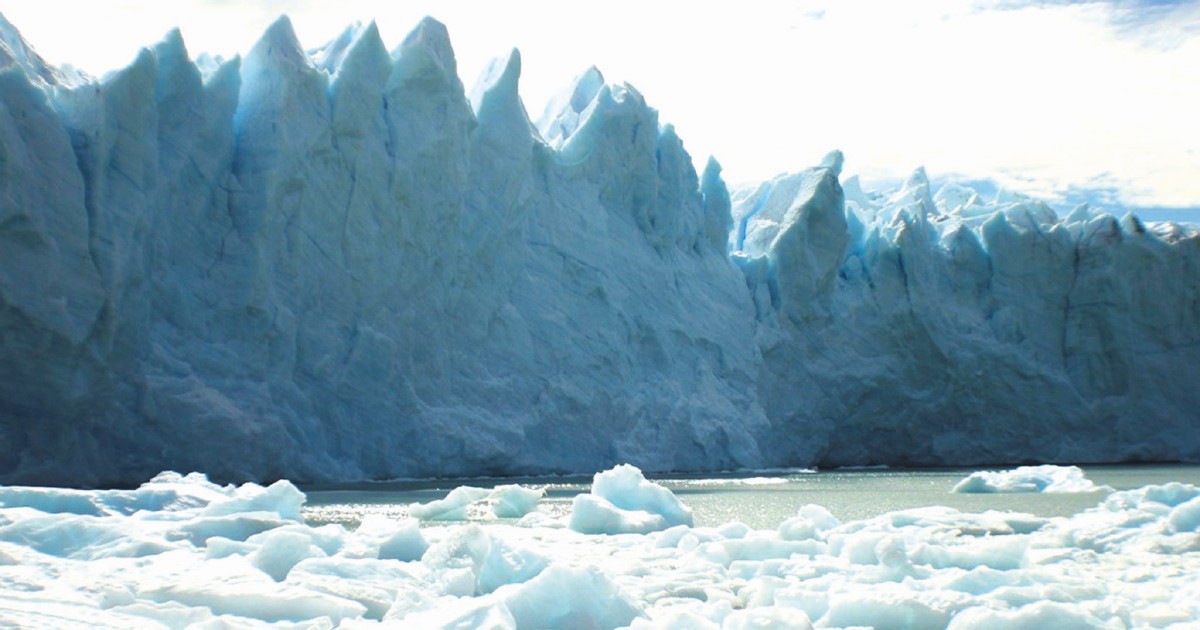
66,561
343,265
1045,478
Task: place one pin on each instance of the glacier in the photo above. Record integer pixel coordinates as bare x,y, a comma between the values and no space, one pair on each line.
340,264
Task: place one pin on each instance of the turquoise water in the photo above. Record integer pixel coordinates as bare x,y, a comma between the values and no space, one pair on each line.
761,500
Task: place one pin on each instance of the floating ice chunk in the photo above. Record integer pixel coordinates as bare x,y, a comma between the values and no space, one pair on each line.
55,501
591,514
1185,517
232,586
625,487
513,501
387,539
483,562
623,501
237,527
1165,495
380,585
541,519
889,605
810,524
508,501
170,614
487,616
81,537
747,481
280,498
721,616
1039,615
993,552
1047,478
734,529
677,617
775,617
757,548
167,491
452,508
506,563
282,550
685,537
562,596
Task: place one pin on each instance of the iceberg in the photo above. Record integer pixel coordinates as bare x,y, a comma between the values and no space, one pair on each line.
623,501
1047,478
507,501
514,501
342,264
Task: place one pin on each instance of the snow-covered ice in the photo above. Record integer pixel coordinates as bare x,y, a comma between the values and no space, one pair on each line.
1046,478
336,265
179,551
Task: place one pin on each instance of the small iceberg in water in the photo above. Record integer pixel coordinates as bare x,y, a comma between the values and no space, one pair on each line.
1049,479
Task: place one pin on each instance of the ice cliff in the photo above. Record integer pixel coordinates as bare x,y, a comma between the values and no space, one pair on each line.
336,264
923,328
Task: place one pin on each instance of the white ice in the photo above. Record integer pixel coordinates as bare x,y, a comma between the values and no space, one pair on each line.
623,501
507,501
1046,478
515,501
180,551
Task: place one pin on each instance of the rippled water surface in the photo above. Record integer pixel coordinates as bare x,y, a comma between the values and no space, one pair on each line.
761,499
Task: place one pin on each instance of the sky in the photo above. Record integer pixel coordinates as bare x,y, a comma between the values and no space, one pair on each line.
1068,100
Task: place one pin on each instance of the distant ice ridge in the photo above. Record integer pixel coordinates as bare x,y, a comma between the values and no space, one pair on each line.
336,264
181,551
1049,479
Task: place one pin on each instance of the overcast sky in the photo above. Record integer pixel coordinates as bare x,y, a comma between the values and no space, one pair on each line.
1041,96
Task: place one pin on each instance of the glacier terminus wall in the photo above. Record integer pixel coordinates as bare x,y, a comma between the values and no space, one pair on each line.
338,264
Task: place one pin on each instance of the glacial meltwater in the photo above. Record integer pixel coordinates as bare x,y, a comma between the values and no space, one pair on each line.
762,499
